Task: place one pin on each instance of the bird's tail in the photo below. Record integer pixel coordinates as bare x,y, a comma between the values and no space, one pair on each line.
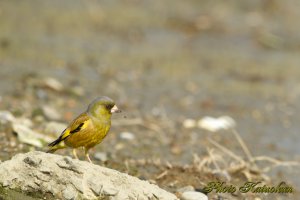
55,145
51,150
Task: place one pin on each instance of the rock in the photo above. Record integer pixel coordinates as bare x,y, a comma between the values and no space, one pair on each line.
51,113
127,136
39,173
189,123
28,136
102,156
23,121
53,84
185,189
191,195
54,128
216,124
6,116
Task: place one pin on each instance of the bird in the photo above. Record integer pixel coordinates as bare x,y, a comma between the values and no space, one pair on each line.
88,129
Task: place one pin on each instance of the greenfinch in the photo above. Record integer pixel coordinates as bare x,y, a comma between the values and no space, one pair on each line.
88,129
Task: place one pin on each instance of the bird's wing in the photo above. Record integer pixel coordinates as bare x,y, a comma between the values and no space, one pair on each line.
80,123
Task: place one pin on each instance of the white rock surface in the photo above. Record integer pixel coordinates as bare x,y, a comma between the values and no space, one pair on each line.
42,173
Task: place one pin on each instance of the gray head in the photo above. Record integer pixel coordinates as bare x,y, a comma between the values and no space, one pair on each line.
102,107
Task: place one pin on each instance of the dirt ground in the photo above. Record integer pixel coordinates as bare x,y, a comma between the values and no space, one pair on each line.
162,62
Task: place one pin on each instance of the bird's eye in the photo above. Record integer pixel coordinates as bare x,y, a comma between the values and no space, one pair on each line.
109,106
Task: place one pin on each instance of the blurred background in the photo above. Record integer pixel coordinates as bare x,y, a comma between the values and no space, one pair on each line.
163,62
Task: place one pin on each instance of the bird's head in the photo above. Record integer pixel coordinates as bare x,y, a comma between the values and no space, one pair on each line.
102,107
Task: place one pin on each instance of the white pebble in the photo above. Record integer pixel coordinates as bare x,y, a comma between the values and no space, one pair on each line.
189,123
53,84
191,195
216,124
6,116
185,189
127,136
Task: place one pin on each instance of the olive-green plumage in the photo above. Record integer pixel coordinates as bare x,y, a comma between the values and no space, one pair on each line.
89,128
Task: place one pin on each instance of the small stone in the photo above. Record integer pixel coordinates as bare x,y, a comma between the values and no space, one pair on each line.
102,156
186,189
191,195
189,123
51,113
6,116
216,124
53,84
127,136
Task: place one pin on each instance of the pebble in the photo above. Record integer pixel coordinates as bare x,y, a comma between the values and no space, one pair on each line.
6,116
191,195
186,189
51,113
54,84
102,156
216,124
127,136
189,123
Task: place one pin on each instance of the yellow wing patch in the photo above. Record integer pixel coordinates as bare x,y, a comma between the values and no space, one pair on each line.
85,124
65,134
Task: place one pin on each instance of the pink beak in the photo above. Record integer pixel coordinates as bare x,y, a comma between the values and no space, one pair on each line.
115,109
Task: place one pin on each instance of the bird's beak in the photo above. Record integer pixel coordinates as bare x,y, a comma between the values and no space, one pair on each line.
115,109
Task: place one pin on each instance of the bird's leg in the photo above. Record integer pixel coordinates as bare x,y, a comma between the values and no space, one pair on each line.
87,155
75,154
